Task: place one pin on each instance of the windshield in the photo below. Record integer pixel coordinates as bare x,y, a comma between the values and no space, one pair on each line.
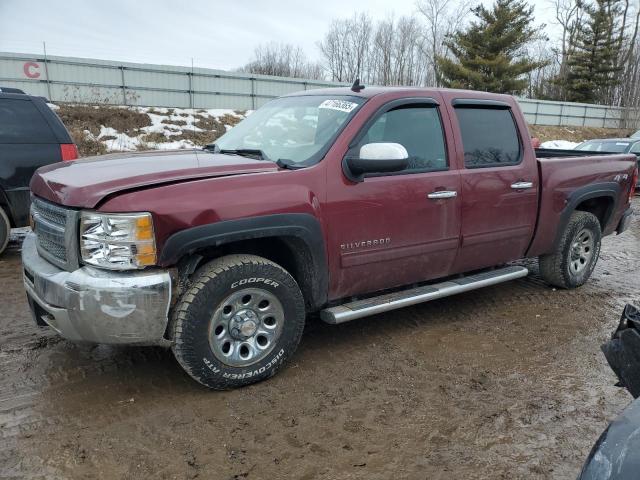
636,135
296,129
609,146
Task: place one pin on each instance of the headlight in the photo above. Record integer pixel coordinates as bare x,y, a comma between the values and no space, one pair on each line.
117,241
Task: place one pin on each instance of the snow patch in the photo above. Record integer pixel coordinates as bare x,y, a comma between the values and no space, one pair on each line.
165,124
559,145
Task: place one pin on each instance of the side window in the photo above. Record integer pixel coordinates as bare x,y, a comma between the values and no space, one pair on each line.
489,137
635,148
418,129
22,122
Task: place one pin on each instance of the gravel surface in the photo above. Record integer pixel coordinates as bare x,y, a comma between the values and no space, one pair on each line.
506,382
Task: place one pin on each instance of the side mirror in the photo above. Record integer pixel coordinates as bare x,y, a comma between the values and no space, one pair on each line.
377,158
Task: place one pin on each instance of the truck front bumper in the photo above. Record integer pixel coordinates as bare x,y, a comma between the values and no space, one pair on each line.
97,306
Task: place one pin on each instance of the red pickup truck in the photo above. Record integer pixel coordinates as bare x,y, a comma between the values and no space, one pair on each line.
343,202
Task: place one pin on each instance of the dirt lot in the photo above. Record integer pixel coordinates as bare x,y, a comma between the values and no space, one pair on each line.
507,382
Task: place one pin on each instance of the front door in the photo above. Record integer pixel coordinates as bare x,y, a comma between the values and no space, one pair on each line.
396,229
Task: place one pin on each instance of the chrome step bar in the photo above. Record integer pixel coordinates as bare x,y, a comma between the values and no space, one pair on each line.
391,301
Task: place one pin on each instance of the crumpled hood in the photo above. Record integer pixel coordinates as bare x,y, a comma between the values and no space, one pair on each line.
84,183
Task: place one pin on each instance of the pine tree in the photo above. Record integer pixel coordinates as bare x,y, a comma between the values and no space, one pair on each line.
490,54
593,66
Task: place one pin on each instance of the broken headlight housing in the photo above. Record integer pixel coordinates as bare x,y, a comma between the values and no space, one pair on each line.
117,241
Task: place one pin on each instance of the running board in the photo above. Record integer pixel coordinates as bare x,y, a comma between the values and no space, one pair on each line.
391,301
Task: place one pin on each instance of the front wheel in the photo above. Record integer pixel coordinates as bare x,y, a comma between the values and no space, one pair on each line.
238,323
577,253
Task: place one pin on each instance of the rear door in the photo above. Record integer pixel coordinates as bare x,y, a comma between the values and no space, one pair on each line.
499,182
27,142
396,229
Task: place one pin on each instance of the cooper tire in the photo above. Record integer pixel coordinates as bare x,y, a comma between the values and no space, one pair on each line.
238,323
5,230
576,255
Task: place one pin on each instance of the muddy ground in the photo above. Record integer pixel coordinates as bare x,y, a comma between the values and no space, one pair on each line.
506,382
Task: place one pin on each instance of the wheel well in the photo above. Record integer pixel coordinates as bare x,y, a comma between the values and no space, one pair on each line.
291,253
601,207
4,203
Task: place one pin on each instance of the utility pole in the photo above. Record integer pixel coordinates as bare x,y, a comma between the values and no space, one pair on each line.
46,70
191,85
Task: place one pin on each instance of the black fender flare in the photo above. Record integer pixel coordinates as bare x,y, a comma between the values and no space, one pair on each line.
604,189
301,226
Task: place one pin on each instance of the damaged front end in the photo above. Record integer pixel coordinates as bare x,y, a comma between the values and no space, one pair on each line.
616,454
623,350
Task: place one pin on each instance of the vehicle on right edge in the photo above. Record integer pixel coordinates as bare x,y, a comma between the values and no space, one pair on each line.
613,145
345,202
616,453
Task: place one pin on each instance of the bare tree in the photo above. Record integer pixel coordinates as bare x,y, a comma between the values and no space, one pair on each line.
629,21
629,91
389,52
402,51
283,60
346,48
382,57
540,79
442,18
409,52
569,15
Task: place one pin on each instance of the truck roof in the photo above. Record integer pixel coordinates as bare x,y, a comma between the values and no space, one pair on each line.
369,92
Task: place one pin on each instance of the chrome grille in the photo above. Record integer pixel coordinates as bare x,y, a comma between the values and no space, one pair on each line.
55,228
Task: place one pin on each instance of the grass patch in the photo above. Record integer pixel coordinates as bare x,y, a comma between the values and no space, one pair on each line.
89,117
230,120
154,137
155,111
197,138
168,121
87,146
575,134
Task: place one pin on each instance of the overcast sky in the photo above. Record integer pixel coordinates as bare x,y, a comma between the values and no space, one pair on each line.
215,33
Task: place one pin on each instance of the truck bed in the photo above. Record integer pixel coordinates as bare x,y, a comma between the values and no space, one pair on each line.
559,153
567,179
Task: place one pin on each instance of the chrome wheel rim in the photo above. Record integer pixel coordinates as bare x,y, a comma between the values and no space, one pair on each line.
245,327
582,250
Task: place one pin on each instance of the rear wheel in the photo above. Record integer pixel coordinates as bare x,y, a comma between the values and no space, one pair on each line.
5,230
238,323
576,255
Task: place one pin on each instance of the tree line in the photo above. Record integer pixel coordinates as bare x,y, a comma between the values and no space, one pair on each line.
500,48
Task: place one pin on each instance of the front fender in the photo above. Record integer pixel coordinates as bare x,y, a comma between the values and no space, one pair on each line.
302,226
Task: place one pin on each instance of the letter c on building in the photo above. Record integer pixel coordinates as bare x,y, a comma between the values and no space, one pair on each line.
31,70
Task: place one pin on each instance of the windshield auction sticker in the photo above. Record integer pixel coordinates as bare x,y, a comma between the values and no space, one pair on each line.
340,105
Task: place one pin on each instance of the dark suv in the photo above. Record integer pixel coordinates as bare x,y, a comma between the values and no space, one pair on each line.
31,135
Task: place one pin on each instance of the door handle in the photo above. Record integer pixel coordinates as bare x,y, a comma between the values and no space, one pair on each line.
521,185
442,194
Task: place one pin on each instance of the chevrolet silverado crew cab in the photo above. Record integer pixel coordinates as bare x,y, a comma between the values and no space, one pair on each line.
343,202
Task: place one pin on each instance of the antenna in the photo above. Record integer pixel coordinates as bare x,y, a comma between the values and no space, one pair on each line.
357,86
